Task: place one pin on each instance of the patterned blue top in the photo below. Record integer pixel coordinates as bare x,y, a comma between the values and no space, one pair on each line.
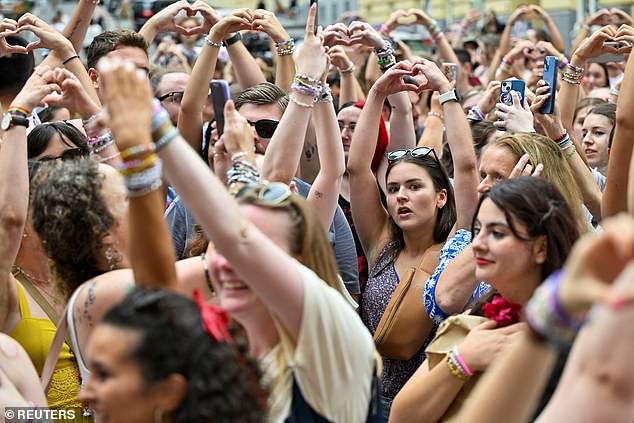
454,246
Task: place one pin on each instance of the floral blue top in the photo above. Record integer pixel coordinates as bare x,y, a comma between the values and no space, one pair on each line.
453,246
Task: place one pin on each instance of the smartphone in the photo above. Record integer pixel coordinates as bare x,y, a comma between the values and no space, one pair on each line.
450,70
316,14
509,85
551,64
219,89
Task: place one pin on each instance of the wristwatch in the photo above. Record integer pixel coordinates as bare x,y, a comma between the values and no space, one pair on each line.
9,120
450,95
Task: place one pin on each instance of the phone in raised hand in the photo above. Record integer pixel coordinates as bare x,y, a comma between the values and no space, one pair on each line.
219,89
509,85
550,77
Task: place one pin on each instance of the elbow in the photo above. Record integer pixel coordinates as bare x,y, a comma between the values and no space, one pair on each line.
12,220
624,120
275,175
407,411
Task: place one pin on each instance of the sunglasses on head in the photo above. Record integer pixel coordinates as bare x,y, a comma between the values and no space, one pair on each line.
174,96
272,194
69,154
416,153
265,128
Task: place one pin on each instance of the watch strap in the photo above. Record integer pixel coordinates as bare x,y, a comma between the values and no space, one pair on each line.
233,39
450,95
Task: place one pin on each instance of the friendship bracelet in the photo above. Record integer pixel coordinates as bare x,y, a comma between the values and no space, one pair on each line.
144,191
563,62
21,111
145,177
572,153
454,368
69,59
284,48
212,43
166,138
435,114
347,70
326,95
475,114
461,361
132,167
238,155
106,159
137,149
299,103
560,138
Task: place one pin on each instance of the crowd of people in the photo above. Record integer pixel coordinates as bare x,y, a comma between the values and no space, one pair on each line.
353,233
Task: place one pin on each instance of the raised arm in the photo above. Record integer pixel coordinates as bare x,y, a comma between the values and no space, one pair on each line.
283,153
324,192
555,131
434,127
555,36
569,92
165,21
369,215
267,22
14,189
615,193
347,80
190,118
151,253
78,24
461,144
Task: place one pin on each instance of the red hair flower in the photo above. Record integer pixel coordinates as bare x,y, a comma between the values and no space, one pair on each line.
503,312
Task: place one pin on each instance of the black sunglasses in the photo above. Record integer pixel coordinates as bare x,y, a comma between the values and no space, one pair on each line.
265,127
176,96
416,153
69,154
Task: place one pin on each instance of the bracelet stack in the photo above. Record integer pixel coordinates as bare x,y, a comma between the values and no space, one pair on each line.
572,74
326,94
475,114
142,170
242,171
284,48
433,29
564,142
310,86
19,112
546,317
347,70
458,366
385,56
100,143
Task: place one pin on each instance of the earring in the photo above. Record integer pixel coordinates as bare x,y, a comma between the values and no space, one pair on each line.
113,257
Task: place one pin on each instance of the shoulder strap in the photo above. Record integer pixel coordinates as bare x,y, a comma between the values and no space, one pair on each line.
429,261
53,353
36,295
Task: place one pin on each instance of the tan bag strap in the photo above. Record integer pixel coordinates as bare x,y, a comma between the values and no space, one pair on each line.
36,295
53,353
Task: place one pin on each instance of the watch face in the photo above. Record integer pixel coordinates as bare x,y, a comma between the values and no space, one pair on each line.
6,121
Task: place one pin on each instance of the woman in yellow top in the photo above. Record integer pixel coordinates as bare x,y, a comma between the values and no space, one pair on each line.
23,317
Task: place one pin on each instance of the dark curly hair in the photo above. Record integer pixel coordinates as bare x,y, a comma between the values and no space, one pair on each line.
71,217
222,385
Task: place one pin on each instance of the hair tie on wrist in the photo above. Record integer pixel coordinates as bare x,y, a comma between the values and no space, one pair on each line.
69,59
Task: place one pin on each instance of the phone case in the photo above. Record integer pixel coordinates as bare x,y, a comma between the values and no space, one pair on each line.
550,77
220,93
509,85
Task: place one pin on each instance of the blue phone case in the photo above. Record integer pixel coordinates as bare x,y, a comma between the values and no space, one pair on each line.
551,64
509,85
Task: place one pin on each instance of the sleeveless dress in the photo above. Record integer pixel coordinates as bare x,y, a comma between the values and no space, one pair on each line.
382,282
36,334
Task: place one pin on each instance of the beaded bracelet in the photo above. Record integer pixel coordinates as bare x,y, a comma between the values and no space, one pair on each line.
284,48
572,153
435,114
238,155
137,149
461,362
347,70
547,318
454,368
563,62
146,190
299,103
212,43
475,114
139,180
100,143
433,29
326,95
386,50
136,166
165,139
108,158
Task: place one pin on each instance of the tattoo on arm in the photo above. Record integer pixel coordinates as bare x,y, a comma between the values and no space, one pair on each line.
319,194
90,300
309,152
72,31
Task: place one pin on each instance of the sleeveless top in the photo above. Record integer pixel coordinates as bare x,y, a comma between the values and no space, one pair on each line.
36,334
382,282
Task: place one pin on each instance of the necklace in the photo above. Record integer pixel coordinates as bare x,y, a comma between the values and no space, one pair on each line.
40,281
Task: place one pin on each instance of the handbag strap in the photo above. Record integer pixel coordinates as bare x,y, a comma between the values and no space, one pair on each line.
36,294
429,261
53,352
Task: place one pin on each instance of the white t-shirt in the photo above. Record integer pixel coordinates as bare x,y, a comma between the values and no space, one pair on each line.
332,361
